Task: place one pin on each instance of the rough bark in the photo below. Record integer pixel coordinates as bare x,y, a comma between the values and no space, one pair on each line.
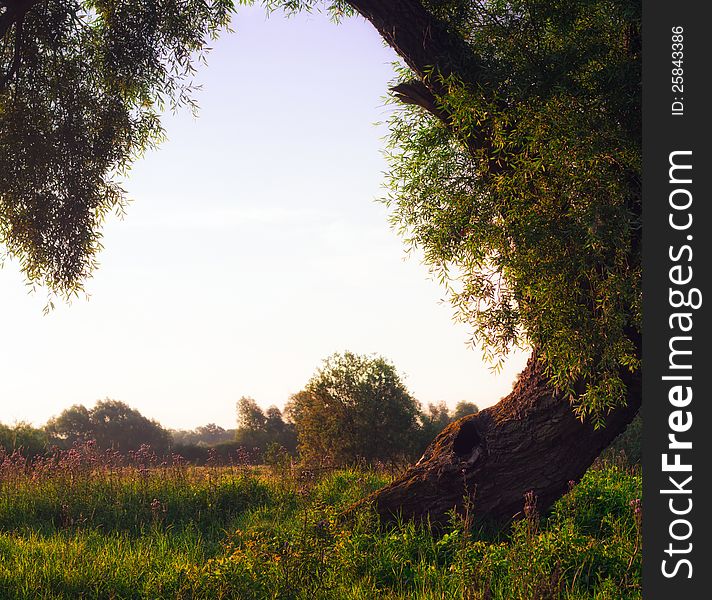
529,441
419,38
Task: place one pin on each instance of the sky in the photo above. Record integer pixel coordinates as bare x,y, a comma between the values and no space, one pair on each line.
254,247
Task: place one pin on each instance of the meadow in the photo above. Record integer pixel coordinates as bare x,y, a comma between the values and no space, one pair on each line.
82,523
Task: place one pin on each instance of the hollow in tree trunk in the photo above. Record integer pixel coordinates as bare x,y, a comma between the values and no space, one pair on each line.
530,441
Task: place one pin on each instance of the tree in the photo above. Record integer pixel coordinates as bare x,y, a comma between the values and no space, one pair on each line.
515,168
463,409
354,408
72,426
250,416
273,421
24,438
112,424
432,421
257,429
82,84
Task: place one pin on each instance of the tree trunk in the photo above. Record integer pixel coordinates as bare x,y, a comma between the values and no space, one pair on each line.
529,441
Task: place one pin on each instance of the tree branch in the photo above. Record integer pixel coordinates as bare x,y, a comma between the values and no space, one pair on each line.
15,65
428,47
420,39
417,93
14,12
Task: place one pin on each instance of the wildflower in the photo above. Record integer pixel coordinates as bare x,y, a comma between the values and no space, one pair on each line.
531,513
637,506
530,504
158,509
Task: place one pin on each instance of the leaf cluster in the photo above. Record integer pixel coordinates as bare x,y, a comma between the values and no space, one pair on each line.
526,202
355,407
90,80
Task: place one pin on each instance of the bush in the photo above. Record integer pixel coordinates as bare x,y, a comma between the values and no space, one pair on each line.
628,444
354,408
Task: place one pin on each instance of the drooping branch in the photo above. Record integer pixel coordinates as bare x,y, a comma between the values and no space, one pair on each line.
13,14
16,56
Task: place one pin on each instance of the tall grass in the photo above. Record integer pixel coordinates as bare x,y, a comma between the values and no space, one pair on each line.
81,524
83,487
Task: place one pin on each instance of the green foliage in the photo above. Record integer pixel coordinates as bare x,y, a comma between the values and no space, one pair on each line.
628,445
530,212
82,86
87,80
249,415
464,408
432,421
589,548
23,438
112,424
220,533
436,417
258,430
354,408
204,436
336,9
598,504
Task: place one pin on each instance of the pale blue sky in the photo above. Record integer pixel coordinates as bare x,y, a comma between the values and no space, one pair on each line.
253,249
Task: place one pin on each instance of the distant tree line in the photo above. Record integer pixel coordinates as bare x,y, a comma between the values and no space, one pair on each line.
203,436
355,408
264,429
258,433
111,424
24,438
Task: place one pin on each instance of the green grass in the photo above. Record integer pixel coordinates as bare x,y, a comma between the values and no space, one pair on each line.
179,532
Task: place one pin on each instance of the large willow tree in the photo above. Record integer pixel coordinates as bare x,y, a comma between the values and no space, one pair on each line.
515,167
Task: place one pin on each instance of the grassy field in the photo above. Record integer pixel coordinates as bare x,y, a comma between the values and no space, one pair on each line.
82,525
